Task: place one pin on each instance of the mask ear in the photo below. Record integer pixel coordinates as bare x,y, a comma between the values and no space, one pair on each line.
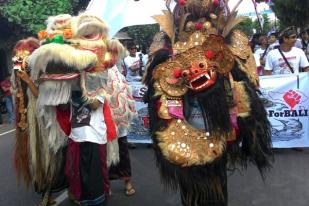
217,51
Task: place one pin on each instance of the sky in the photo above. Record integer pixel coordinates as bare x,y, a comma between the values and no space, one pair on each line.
247,6
121,13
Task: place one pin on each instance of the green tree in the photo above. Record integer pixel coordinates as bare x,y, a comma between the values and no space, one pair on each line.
142,34
266,23
22,18
246,26
292,12
31,15
257,27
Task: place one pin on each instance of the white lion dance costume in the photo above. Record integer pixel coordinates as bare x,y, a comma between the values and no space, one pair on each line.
204,110
80,107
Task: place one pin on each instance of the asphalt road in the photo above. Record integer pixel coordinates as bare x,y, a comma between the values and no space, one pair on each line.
287,184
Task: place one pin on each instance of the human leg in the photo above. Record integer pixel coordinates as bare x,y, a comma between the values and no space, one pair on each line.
92,180
123,169
10,109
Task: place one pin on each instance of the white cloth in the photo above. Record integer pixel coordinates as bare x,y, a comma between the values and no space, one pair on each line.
145,59
274,45
305,48
122,13
123,105
88,125
298,44
196,116
275,62
258,54
130,61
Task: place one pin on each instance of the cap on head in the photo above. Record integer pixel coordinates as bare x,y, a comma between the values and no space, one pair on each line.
286,33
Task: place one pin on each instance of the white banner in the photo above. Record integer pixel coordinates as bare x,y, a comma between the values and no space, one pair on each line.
122,13
140,125
286,99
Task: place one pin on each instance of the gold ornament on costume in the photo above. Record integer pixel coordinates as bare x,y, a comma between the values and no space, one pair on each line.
241,99
200,55
221,53
186,146
163,110
244,57
20,64
20,60
169,79
195,39
166,22
240,45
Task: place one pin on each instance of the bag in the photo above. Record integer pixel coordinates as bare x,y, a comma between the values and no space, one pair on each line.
286,61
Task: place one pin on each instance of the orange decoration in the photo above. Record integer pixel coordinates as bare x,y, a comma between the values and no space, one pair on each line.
67,33
42,34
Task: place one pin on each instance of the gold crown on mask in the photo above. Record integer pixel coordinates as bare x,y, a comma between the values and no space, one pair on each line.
191,21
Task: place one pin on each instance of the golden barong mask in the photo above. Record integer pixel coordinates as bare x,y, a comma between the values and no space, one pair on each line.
197,69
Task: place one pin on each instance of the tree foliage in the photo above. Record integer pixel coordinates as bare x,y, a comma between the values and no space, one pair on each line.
292,12
266,23
142,34
246,26
31,15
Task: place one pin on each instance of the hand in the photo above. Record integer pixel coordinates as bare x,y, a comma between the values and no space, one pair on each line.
95,104
24,76
135,66
262,62
141,63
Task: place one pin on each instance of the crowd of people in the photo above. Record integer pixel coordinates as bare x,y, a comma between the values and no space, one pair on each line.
78,148
282,53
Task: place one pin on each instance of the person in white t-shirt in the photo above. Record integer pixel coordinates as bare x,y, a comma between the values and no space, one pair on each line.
304,39
273,41
86,169
260,54
275,63
134,64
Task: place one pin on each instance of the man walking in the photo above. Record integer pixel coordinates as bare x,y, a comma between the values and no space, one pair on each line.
286,58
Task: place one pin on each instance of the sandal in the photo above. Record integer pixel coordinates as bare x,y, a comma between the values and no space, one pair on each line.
51,200
73,199
130,191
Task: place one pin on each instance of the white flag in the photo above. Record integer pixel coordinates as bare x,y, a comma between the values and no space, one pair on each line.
121,13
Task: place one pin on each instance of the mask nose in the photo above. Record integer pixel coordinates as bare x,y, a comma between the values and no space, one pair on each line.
194,70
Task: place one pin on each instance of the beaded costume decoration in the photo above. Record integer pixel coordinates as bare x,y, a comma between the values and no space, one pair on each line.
199,59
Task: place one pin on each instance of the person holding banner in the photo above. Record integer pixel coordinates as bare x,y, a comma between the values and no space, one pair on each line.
286,58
